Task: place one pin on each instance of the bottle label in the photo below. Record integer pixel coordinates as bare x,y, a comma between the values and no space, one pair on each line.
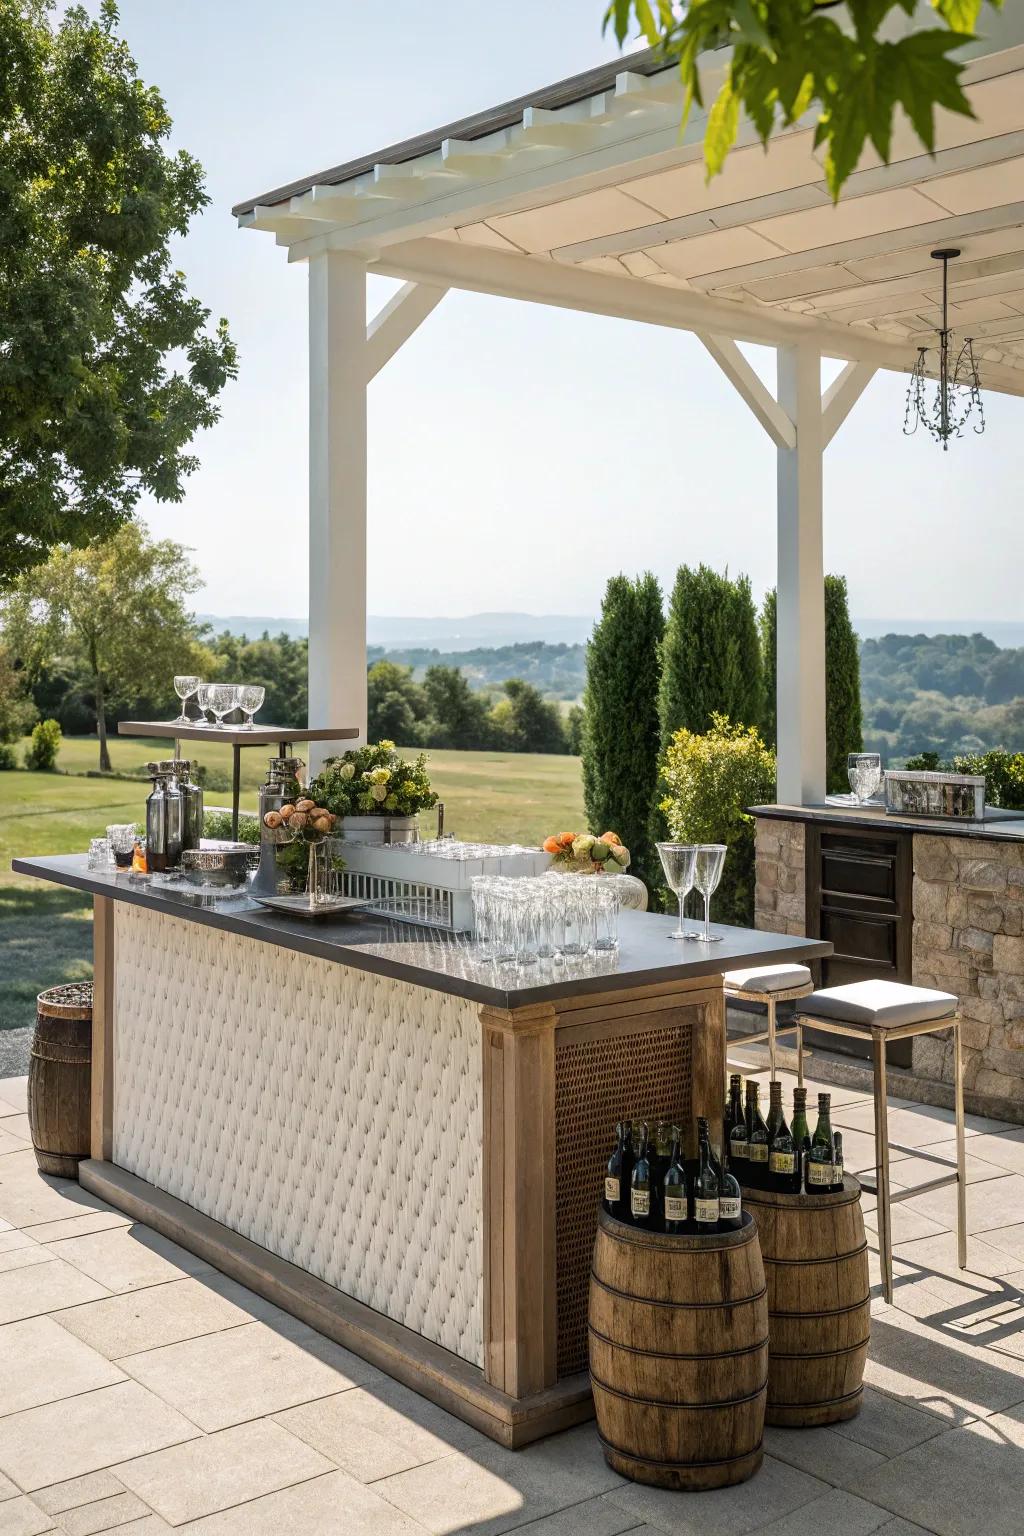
640,1202
782,1162
729,1207
675,1207
705,1211
837,1173
738,1149
611,1190
819,1174
757,1152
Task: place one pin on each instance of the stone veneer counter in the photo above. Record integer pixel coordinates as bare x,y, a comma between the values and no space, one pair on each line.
967,933
399,1144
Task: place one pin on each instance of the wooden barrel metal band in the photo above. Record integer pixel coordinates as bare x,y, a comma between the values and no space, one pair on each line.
828,1258
855,1306
668,1354
821,1354
695,1406
651,1461
76,1059
831,1402
680,1306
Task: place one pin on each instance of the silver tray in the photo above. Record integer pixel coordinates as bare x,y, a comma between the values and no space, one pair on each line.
298,906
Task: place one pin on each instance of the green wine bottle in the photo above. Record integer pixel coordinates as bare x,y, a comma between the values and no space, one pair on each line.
818,1171
837,1162
706,1190
640,1184
616,1177
733,1109
738,1131
675,1194
774,1107
801,1132
784,1158
730,1199
757,1147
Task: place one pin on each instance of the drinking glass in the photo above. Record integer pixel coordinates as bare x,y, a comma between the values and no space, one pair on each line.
707,871
100,856
185,687
606,914
122,844
250,700
579,915
678,860
865,774
203,700
223,698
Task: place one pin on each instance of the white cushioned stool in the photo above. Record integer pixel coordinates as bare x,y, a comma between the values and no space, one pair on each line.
770,984
884,1011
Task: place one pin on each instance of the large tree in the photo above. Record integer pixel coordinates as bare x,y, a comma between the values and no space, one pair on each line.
120,607
108,366
711,653
843,721
621,735
854,67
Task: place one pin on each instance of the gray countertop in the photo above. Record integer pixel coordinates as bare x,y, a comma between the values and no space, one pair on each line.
645,956
998,826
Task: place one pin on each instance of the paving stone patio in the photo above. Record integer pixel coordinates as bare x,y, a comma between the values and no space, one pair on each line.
143,1392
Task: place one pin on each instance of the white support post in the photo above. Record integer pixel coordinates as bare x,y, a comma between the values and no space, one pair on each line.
337,494
801,583
396,322
750,389
841,396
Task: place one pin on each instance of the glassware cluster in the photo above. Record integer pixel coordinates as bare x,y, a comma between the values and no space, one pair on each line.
689,867
524,920
219,700
864,770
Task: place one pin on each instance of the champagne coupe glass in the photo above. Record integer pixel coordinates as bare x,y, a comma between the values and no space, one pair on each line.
223,697
185,687
865,774
250,700
203,700
707,872
677,860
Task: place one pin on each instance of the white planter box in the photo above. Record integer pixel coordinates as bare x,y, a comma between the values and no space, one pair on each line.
381,829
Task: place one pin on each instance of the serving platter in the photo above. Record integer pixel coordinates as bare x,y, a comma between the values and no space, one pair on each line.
300,906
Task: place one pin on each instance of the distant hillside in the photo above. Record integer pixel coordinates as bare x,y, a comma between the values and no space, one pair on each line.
941,693
559,671
473,632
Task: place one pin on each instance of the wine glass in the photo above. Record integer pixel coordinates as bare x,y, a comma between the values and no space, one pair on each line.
864,770
707,872
250,700
185,687
677,860
203,700
223,698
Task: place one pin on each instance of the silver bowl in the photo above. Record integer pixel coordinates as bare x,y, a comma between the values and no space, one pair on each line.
216,863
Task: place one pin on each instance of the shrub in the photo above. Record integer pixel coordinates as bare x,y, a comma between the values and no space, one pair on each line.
711,779
41,756
710,654
1004,776
8,758
217,824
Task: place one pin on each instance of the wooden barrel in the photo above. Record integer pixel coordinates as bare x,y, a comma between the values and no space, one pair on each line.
819,1308
679,1354
59,1078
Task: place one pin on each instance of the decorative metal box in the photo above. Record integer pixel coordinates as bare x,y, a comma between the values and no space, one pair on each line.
947,796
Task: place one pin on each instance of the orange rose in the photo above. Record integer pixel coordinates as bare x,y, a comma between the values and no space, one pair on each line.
613,838
552,845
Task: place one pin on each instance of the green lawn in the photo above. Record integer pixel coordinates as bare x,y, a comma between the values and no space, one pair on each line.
46,933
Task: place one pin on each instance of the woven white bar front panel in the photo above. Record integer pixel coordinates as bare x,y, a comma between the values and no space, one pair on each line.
330,1115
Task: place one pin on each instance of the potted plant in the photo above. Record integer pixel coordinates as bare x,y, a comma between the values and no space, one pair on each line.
377,793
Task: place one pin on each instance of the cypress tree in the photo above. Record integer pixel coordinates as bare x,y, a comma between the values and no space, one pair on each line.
843,722
620,717
711,653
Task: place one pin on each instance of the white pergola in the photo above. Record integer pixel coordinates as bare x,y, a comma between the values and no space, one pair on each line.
586,196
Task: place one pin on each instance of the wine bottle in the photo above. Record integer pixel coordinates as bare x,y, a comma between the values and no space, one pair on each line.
738,1133
616,1178
774,1107
675,1195
706,1191
659,1155
783,1159
801,1132
730,1201
640,1184
757,1147
837,1162
819,1159
733,1110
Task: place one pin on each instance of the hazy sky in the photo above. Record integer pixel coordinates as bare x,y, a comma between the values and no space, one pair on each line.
519,455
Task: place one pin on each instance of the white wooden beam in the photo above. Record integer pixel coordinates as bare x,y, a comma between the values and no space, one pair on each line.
751,389
337,493
401,316
841,396
800,663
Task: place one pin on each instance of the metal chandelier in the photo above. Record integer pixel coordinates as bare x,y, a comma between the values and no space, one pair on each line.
957,386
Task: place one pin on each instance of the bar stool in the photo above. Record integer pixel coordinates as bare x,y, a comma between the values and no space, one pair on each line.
771,985
884,1011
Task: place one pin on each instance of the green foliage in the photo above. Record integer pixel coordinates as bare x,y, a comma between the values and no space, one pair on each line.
789,58
621,735
8,758
524,721
41,756
710,654
373,781
1004,776
946,694
458,716
279,664
558,671
119,607
217,824
843,726
396,704
574,731
17,711
710,781
108,367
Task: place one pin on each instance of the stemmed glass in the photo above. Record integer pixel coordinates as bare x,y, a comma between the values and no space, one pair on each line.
707,872
185,687
222,699
865,774
203,700
677,860
250,700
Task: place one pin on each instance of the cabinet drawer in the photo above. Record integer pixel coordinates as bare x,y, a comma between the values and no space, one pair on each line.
851,871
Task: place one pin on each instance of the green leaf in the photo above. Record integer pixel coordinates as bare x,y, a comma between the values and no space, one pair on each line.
618,13
961,15
723,125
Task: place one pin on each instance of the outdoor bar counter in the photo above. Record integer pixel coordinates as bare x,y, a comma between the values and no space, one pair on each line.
391,1140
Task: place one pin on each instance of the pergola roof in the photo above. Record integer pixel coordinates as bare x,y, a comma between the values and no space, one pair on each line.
585,195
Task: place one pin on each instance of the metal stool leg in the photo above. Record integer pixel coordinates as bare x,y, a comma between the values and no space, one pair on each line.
961,1165
771,1035
882,1163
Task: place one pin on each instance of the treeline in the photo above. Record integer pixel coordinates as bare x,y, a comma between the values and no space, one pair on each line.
445,711
950,694
557,671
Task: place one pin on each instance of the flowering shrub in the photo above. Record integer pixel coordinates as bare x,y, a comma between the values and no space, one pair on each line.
374,781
